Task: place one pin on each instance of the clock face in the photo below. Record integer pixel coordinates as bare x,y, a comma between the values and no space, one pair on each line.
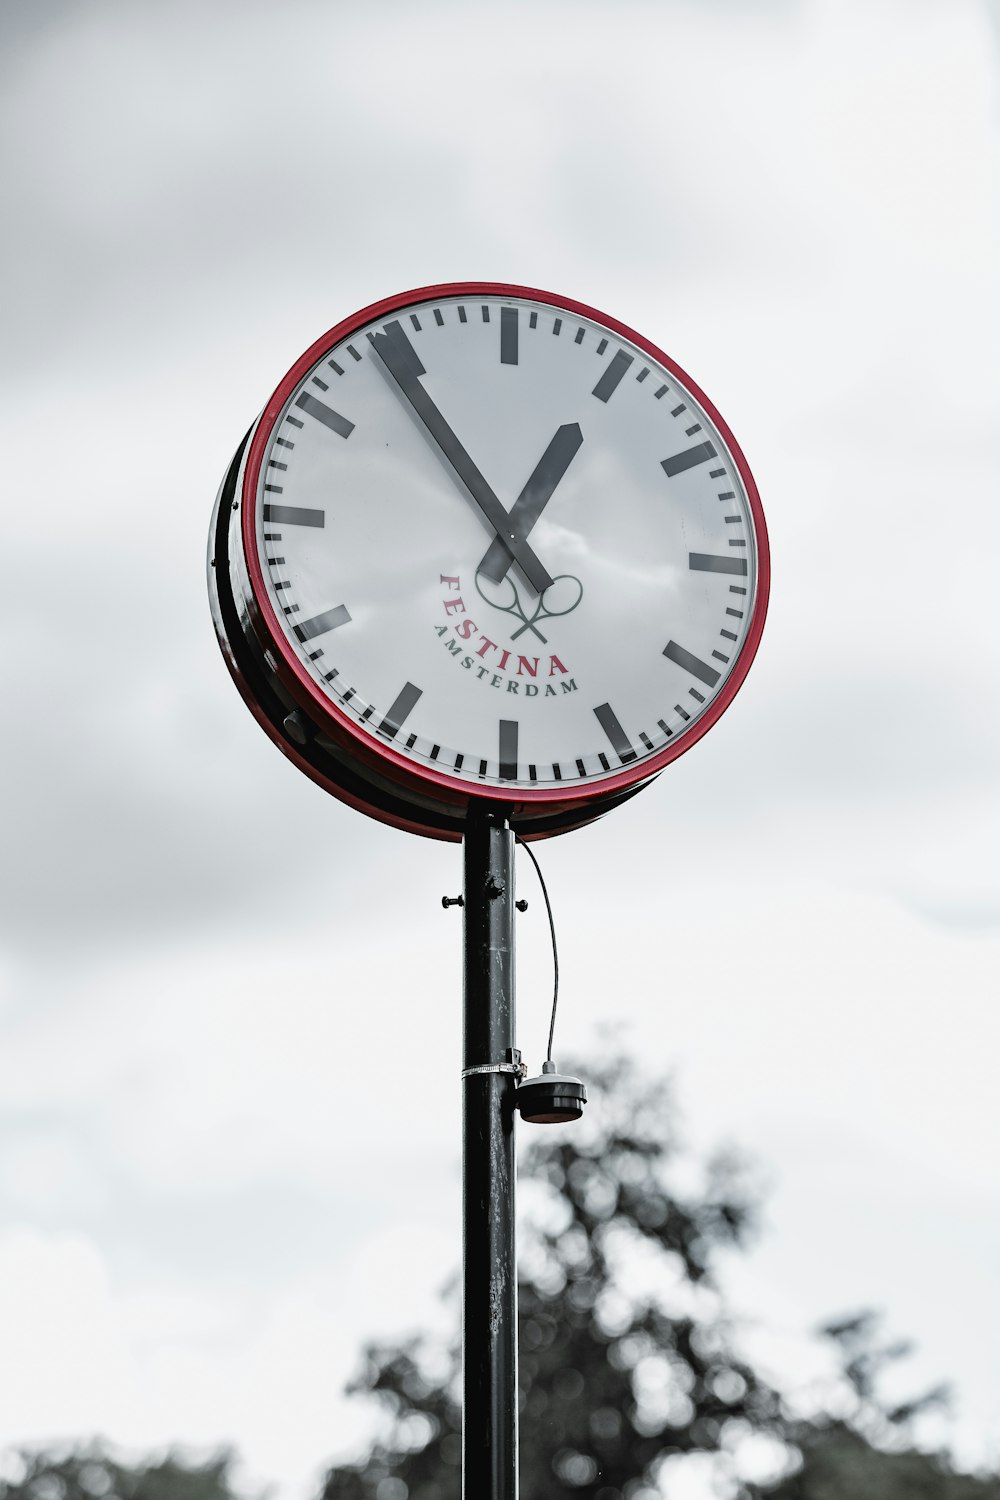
503,544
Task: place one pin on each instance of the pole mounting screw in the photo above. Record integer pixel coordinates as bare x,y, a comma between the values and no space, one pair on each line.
447,901
521,905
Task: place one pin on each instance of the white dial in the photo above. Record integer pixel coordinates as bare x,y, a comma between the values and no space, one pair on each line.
505,542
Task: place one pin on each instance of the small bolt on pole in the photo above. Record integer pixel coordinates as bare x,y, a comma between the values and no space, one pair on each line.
491,1066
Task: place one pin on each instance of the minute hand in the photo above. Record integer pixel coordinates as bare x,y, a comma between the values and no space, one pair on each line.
400,359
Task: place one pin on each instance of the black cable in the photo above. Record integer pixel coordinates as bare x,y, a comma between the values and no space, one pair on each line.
555,951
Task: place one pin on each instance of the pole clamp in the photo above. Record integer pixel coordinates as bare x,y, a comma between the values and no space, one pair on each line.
512,1065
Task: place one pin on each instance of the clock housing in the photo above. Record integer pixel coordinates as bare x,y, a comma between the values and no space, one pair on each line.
545,635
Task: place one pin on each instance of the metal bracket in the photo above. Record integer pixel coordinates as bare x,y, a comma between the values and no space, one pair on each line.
512,1065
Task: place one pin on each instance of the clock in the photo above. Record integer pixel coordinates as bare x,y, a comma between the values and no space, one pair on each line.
487,545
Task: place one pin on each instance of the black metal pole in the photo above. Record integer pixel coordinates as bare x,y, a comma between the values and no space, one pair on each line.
489,1329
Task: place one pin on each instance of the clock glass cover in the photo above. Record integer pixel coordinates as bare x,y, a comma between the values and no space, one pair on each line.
500,545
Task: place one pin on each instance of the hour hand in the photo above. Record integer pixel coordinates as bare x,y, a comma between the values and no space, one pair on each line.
534,497
403,363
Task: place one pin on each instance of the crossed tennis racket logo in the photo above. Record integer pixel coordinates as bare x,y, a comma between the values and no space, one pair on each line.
561,597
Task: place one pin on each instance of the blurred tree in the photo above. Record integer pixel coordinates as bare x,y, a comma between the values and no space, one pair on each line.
626,1360
867,1450
92,1474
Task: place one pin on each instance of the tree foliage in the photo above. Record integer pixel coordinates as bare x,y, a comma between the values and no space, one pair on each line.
867,1448
626,1357
627,1361
92,1473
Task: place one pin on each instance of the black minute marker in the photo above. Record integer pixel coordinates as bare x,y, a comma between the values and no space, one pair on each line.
612,376
620,742
330,619
508,335
691,663
689,459
325,414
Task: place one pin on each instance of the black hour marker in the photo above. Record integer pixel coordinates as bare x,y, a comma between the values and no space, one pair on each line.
315,655
660,393
284,443
415,321
273,463
733,520
435,752
716,473
275,489
646,740
348,695
737,613
294,515
399,711
690,663
734,588
338,369
508,335
557,325
556,771
329,676
604,760
620,742
411,741
581,768
486,313
641,376
272,536
459,761
330,619
439,320
694,693
462,317
482,768
736,542
719,657
325,414
682,711
666,731
321,383
611,379
602,346
730,635
690,431
579,340
533,320
295,423
353,353
367,714
689,459
678,409
707,562
276,562
508,749
727,494
284,585
532,770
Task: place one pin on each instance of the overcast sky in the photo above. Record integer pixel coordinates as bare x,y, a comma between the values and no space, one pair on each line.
798,201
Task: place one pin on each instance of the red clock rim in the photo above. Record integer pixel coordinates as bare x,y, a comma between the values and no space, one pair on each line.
327,709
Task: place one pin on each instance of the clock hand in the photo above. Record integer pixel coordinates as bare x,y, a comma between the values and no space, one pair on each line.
533,498
401,360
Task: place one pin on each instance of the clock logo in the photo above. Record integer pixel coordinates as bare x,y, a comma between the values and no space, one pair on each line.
560,597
